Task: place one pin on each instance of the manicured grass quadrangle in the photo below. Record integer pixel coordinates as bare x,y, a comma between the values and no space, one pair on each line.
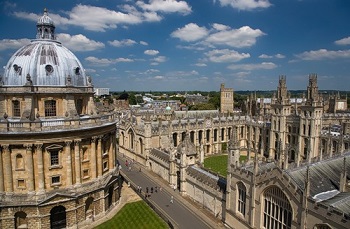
136,215
218,163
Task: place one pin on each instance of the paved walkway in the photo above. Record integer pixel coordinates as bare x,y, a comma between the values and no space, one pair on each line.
185,213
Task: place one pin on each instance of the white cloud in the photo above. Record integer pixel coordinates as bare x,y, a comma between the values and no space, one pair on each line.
200,64
158,77
79,42
242,37
220,26
265,56
323,54
151,52
190,32
225,55
246,4
122,43
143,43
280,56
166,6
250,67
159,59
13,44
106,62
344,41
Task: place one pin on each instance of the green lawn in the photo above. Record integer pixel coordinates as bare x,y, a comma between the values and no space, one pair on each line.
218,164
135,215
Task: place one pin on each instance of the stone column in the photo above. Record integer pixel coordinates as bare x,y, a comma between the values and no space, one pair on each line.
29,167
69,163
77,161
110,153
1,174
93,157
99,156
41,177
8,169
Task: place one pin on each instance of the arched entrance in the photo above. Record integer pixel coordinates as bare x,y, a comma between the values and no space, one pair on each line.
110,196
58,217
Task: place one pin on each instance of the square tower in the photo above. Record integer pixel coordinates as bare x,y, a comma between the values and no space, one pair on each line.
226,99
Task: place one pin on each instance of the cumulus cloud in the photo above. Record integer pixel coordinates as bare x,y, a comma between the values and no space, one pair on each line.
246,4
166,6
122,43
79,42
344,41
106,62
219,35
250,67
225,55
13,43
190,32
323,54
242,37
151,52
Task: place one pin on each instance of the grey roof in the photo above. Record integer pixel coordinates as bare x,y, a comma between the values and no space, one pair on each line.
324,175
206,177
340,202
160,154
44,62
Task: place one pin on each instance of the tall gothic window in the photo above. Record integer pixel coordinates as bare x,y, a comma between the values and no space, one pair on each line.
50,108
16,108
241,198
277,209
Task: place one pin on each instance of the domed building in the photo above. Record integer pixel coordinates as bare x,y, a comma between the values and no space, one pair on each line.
58,153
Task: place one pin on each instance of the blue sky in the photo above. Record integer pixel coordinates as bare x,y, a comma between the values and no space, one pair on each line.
168,45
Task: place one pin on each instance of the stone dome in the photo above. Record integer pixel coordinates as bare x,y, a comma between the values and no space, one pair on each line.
44,62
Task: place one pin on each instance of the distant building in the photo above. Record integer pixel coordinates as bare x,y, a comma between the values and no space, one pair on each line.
226,99
101,91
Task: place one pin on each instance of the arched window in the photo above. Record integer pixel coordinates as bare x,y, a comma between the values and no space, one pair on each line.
131,139
58,218
242,193
21,220
175,139
277,209
50,108
322,226
141,145
19,162
192,136
215,135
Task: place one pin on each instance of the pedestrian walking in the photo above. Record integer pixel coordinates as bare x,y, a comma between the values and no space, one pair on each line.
172,199
156,189
126,163
174,187
151,189
160,188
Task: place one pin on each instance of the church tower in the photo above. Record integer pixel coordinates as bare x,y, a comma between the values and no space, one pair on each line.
310,121
280,109
226,99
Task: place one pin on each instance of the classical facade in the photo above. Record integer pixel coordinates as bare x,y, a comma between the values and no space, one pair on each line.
58,153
